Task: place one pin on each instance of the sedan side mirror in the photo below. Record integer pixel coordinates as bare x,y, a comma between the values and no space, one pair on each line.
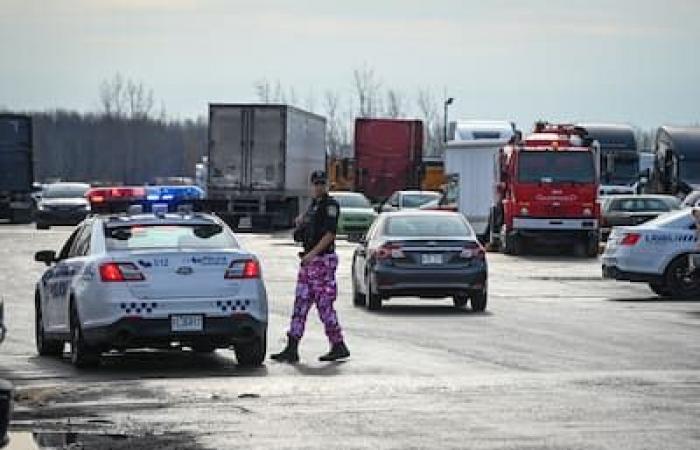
48,257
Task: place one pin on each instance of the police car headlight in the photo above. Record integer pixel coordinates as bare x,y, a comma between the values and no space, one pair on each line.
587,212
524,211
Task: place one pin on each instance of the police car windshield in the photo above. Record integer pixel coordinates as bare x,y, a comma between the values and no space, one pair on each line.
139,237
352,201
427,225
556,167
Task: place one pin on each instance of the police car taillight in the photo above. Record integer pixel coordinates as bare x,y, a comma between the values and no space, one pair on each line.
120,272
630,239
243,270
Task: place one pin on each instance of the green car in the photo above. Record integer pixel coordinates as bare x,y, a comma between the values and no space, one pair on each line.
356,213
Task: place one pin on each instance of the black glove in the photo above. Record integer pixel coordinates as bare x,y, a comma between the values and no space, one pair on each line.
300,233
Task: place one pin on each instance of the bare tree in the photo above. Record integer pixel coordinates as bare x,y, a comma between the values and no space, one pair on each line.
125,97
263,90
280,96
367,88
112,96
138,100
333,137
395,104
429,110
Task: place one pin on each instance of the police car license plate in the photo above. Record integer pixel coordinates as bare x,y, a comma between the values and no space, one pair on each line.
431,258
186,322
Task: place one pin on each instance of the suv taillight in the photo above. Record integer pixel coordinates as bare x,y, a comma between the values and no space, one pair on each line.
246,269
120,272
630,239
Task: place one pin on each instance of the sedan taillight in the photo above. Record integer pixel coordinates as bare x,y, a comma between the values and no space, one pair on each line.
390,251
474,251
247,269
120,272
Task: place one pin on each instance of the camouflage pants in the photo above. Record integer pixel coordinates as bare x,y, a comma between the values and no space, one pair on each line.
316,285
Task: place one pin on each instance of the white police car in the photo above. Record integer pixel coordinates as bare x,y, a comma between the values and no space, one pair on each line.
151,280
659,253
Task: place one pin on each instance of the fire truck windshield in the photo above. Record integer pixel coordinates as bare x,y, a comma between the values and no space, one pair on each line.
556,167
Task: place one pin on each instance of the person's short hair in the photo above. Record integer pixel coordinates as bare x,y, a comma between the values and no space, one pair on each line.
319,177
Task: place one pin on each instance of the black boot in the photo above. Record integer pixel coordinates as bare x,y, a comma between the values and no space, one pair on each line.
338,351
290,353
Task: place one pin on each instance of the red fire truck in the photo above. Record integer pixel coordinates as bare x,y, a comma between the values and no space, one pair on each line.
546,191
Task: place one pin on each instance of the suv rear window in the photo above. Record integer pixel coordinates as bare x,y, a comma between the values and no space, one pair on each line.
199,236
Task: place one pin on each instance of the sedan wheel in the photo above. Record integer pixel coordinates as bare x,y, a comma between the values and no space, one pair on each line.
460,301
479,300
358,298
374,301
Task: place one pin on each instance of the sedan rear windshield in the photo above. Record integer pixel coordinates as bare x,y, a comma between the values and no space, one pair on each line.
427,225
65,191
640,205
556,167
200,236
418,200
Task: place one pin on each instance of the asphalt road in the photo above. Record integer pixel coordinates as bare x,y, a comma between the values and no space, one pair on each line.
561,359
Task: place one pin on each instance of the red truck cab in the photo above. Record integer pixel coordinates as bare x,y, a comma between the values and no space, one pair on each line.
547,191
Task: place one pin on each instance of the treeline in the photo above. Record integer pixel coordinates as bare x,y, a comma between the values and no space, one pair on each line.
115,149
127,141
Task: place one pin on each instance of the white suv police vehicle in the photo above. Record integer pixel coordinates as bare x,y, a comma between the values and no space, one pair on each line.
151,280
661,252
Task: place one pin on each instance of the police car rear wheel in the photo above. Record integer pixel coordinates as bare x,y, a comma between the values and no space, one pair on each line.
82,355
680,282
44,345
252,353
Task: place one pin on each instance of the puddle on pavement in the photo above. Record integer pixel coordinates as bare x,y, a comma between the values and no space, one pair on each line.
87,441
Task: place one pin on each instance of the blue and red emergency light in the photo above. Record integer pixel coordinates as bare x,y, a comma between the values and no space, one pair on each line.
120,198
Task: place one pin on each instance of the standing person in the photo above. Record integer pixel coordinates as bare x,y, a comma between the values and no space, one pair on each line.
316,282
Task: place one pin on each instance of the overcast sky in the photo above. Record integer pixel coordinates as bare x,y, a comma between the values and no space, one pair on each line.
633,61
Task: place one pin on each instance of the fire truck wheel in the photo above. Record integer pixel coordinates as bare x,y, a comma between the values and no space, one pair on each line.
592,248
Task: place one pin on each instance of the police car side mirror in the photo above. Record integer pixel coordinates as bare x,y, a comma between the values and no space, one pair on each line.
48,257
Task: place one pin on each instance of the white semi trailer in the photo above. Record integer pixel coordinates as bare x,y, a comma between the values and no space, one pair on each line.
470,165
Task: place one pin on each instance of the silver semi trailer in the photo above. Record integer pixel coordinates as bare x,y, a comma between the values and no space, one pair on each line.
260,158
